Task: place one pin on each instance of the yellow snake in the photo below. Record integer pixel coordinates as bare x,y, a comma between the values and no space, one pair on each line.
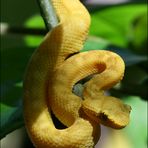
51,74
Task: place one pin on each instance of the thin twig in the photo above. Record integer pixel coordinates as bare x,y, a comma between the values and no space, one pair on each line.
6,29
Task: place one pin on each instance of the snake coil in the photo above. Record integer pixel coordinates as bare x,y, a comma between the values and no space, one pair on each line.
51,75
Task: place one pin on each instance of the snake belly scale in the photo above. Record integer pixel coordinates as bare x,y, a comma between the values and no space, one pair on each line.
51,75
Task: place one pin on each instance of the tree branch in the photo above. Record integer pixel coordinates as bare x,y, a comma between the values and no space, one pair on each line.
48,13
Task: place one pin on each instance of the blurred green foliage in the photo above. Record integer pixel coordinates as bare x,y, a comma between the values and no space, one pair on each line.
115,23
121,28
137,129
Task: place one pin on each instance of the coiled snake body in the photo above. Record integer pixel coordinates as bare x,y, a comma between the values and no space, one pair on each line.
51,75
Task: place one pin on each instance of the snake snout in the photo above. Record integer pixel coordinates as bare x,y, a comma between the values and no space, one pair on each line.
109,111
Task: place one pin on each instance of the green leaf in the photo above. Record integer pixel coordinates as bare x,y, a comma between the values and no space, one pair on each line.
95,43
34,22
136,131
134,82
140,33
13,65
11,119
114,23
129,57
135,75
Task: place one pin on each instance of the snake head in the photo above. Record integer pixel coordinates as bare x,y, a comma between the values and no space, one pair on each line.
107,110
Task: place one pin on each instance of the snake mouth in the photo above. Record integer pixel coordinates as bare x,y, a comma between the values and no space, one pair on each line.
118,121
105,120
112,113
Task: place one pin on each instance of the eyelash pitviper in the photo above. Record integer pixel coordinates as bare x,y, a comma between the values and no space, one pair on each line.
51,75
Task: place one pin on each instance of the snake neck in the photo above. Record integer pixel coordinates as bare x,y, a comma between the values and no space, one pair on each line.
86,63
69,35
